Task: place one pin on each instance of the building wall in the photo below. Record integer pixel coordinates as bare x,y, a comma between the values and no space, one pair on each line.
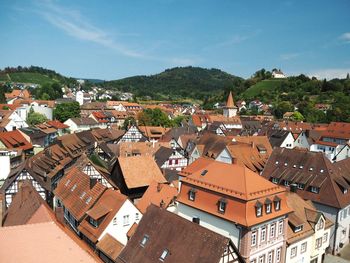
117,228
5,166
300,256
301,141
288,142
224,157
216,224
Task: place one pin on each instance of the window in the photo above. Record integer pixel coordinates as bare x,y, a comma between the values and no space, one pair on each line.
82,195
126,220
300,186
268,208
320,224
114,221
318,243
222,205
293,252
164,254
270,257
137,216
275,180
272,230
277,203
93,222
303,247
192,194
254,238
262,259
258,209
325,237
144,240
278,254
314,189
298,228
88,200
196,220
286,183
253,261
263,234
73,188
280,227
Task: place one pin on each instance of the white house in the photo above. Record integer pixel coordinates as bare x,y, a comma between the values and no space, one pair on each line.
112,214
278,74
82,124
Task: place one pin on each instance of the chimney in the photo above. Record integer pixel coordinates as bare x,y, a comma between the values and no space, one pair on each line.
93,181
293,188
234,160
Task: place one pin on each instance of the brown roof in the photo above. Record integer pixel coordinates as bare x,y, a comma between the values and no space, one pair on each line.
70,191
312,169
84,121
158,194
132,230
153,132
57,124
304,214
230,103
240,186
24,205
103,210
125,149
17,93
110,246
132,166
184,240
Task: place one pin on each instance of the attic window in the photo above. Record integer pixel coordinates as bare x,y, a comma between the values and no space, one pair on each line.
68,181
192,194
310,169
276,162
314,189
204,172
88,200
285,164
144,240
82,195
321,171
73,188
268,206
93,222
300,186
274,180
277,203
294,166
301,167
298,228
164,255
222,205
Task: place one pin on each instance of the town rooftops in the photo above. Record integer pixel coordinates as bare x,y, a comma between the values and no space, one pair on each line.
164,236
78,193
17,93
240,188
110,246
140,171
84,121
57,124
317,178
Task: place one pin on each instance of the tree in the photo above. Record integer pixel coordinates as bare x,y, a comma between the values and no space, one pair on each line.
154,117
128,122
67,110
35,118
297,116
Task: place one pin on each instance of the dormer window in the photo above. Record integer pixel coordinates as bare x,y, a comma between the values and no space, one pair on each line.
275,180
268,206
258,209
286,183
321,171
144,240
276,162
320,224
310,169
285,164
192,194
93,222
204,172
314,189
222,205
298,228
277,203
300,186
294,166
301,167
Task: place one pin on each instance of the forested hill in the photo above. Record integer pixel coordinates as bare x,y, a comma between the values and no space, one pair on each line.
34,74
177,83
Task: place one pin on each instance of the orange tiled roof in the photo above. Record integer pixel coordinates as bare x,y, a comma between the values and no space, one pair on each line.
158,194
240,187
70,191
57,124
17,93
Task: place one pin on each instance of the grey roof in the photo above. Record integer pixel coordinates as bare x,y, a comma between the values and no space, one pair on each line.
33,133
276,137
162,155
84,121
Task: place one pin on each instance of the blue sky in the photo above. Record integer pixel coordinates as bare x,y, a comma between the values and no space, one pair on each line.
116,39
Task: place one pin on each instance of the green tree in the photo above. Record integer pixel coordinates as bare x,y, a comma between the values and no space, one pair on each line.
154,117
128,122
67,110
297,116
35,118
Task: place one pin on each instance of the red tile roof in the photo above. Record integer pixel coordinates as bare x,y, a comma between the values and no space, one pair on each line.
15,140
57,124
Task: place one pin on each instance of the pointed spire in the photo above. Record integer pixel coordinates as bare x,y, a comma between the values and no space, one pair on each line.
229,103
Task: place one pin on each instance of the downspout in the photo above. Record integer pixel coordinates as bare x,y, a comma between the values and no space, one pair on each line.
335,232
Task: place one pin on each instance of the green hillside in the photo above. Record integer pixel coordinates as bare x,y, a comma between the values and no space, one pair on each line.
263,87
177,83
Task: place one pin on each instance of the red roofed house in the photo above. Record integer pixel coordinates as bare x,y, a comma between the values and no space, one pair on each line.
15,140
59,126
100,117
17,94
235,202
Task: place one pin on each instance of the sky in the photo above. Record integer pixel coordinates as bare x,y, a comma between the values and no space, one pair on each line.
116,39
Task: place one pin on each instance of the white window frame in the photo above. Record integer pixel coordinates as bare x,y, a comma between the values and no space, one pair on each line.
263,234
272,230
293,252
303,247
278,254
126,220
280,227
254,239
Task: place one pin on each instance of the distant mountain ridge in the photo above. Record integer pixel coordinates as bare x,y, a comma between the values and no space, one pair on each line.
177,83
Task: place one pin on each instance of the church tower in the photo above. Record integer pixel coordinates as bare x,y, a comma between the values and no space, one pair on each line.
230,110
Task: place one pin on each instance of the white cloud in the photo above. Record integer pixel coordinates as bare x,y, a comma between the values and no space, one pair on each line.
345,37
289,56
330,73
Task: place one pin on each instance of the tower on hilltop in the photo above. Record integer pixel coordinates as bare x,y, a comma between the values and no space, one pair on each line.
230,110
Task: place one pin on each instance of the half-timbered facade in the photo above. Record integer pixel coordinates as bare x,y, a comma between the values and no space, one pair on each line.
133,134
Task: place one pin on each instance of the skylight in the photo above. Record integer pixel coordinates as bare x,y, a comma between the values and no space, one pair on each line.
73,188
144,240
82,195
68,181
88,200
204,172
164,254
